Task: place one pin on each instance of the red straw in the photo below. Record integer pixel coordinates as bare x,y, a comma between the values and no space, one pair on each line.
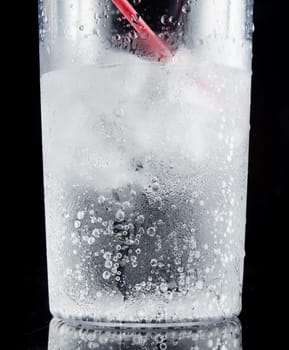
152,41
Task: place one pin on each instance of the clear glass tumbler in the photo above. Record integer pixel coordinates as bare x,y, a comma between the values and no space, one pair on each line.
145,122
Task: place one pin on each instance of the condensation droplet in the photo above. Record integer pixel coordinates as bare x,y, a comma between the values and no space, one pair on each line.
81,27
154,262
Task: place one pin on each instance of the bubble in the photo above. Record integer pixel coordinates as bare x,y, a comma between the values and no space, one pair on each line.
126,205
210,343
155,186
163,346
90,240
151,231
107,255
117,278
77,223
96,233
120,215
154,262
108,264
164,19
136,2
171,20
133,35
81,27
101,199
116,37
106,275
140,219
133,193
186,8
163,287
138,251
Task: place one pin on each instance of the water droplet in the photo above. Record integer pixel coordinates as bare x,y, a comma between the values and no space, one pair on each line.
151,231
81,27
163,346
101,199
120,215
77,223
138,251
199,285
136,2
202,203
206,247
106,275
154,262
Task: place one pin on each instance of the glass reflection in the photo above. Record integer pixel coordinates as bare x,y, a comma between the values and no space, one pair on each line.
222,336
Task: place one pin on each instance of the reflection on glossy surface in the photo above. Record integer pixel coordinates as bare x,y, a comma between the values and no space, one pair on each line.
223,336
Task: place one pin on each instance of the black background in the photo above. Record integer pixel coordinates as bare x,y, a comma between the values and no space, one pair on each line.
265,277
